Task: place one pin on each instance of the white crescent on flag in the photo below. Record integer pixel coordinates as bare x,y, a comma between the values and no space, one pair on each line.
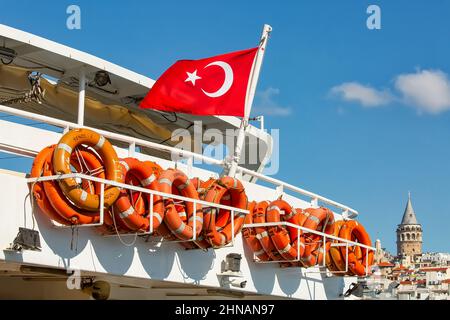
227,83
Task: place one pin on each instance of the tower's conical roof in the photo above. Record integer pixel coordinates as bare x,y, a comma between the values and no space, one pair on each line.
409,217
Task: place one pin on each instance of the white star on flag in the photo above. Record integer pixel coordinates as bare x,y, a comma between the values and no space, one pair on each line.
192,77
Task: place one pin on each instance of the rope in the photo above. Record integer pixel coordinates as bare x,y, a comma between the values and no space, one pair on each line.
117,231
32,201
87,170
36,93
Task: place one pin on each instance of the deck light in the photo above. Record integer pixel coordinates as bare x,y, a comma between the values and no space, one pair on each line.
7,55
102,78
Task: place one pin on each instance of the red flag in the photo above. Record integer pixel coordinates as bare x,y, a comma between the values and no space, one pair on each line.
211,86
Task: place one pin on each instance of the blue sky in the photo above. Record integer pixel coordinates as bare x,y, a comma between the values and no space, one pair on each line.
363,113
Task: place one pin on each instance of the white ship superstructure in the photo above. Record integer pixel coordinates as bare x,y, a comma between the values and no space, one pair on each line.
136,267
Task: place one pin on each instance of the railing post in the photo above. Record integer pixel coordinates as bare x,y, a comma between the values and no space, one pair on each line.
367,262
298,244
132,149
232,227
151,212
190,164
279,190
194,203
102,202
81,96
346,257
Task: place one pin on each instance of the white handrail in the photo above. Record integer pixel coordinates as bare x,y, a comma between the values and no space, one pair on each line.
182,153
108,134
298,190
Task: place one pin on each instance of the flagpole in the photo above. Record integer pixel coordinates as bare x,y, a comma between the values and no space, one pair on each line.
253,81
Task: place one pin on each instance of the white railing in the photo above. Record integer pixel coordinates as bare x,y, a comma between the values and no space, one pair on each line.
151,194
133,142
324,237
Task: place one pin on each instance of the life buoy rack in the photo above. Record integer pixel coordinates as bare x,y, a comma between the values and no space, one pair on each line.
357,260
134,218
71,202
233,191
290,245
61,165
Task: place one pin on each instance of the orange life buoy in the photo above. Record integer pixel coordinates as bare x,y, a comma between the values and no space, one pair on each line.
357,265
249,235
176,178
180,207
319,219
224,187
259,216
202,186
58,200
37,170
299,219
156,168
334,260
70,187
125,210
290,248
138,200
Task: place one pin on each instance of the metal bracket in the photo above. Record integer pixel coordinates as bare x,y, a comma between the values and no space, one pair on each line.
279,191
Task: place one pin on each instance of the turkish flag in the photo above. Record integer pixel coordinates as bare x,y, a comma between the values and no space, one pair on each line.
211,86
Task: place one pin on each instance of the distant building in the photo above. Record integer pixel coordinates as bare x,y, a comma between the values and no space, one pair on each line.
435,258
409,234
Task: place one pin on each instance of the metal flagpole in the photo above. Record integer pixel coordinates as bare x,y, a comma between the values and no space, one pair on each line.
249,99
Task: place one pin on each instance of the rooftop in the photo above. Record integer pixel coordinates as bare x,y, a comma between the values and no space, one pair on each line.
386,264
409,216
434,269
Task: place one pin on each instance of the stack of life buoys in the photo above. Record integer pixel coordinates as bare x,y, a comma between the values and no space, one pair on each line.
292,247
74,202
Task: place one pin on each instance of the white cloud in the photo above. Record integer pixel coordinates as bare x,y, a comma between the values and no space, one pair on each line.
265,104
365,95
427,90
